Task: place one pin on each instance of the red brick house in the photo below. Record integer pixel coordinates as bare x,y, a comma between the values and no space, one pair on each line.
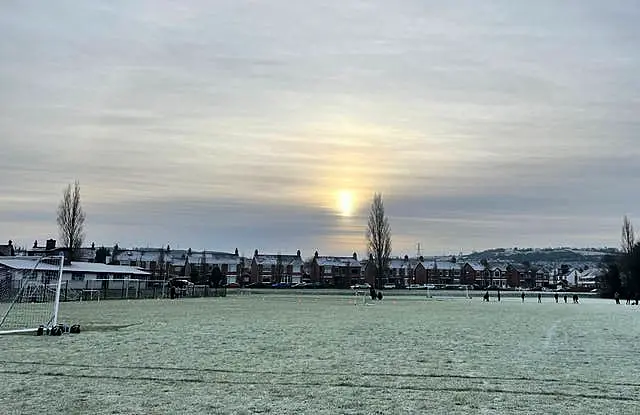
473,273
443,273
340,272
273,268
420,274
516,275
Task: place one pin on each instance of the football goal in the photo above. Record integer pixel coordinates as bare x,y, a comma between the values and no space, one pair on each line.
30,295
360,297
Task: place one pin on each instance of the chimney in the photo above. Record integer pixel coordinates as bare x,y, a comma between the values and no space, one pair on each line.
236,252
316,254
298,253
355,256
255,253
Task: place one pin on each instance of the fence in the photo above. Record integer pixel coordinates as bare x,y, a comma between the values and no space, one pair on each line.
113,289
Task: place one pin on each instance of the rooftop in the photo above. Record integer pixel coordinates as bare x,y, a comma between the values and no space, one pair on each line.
23,263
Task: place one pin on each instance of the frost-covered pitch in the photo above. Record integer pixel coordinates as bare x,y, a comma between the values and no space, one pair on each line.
291,354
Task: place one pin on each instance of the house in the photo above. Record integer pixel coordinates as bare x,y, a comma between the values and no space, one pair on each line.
400,271
203,263
419,274
590,278
340,272
8,249
497,276
572,278
161,263
84,254
474,273
516,275
444,272
542,277
74,275
275,268
164,264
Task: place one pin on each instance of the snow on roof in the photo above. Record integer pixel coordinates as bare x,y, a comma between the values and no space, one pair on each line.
590,274
86,267
444,265
214,258
401,264
333,261
448,265
177,256
476,266
265,259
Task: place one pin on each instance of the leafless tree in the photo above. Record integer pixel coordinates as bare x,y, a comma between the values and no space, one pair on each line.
379,237
71,219
628,235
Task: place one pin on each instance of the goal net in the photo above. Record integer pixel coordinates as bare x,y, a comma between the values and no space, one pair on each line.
30,294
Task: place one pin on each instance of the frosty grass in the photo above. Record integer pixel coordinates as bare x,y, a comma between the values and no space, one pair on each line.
288,353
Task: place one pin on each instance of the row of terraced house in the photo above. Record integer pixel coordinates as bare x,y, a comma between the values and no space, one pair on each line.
331,271
336,271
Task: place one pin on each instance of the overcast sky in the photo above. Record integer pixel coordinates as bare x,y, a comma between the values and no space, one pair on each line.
269,124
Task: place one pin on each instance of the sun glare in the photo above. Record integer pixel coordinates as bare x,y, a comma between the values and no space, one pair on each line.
345,203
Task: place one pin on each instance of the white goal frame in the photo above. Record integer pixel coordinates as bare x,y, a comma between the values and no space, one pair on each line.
357,293
31,277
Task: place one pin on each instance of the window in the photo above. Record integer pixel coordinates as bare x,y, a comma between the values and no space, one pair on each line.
77,276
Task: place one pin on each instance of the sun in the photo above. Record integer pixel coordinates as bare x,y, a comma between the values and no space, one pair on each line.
345,203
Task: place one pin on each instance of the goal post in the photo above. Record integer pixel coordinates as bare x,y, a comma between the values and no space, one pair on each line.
360,297
30,294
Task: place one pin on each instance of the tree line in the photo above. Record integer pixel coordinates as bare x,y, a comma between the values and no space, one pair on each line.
622,270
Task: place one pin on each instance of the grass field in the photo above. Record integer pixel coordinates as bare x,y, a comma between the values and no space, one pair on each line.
285,353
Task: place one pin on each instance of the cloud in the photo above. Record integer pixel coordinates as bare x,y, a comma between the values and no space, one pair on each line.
478,122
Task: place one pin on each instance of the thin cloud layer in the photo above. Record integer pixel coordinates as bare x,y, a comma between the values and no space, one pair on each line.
239,124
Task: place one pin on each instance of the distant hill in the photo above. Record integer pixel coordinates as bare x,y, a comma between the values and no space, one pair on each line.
542,255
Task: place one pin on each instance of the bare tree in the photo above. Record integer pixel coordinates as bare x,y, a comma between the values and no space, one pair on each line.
628,236
379,237
71,219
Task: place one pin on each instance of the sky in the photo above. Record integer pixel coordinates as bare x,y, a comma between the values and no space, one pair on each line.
269,125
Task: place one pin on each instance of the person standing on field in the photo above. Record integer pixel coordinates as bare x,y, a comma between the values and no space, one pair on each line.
539,298
556,297
498,295
522,296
